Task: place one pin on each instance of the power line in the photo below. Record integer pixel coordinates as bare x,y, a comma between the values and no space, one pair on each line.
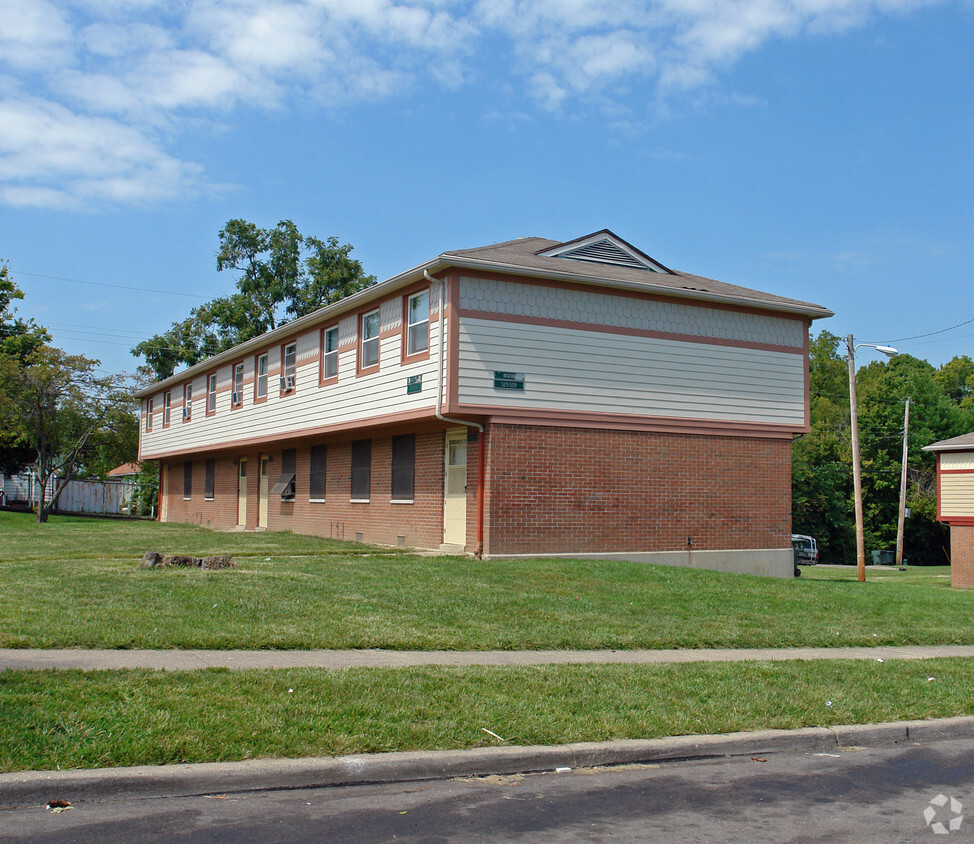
106,284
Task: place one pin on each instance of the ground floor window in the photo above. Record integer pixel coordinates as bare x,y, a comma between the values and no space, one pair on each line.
361,470
316,481
210,481
187,480
403,467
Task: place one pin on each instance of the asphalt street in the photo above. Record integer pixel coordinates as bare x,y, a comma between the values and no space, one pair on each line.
844,795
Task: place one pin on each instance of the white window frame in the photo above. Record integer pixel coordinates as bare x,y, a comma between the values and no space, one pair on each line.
211,393
148,415
166,408
187,401
238,381
413,327
370,340
290,370
260,379
329,356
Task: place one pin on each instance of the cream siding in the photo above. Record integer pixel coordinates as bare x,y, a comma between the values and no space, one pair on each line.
596,372
349,400
956,495
957,460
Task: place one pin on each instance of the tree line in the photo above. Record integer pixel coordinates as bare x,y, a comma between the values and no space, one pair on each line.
941,406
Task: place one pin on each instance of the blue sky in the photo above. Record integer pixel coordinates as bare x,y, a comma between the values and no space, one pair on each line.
818,149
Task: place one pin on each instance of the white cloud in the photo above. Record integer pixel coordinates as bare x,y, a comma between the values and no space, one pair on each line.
101,86
51,156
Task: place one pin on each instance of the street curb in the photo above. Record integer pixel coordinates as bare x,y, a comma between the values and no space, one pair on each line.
102,784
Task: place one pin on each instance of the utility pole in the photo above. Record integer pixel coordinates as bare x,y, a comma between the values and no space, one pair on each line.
902,517
889,351
856,471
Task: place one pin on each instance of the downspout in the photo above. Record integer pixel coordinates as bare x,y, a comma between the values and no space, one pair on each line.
439,415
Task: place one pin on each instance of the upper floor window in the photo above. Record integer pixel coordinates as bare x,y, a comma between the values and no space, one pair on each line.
148,415
211,393
260,381
289,362
187,401
238,374
418,323
369,351
166,408
329,353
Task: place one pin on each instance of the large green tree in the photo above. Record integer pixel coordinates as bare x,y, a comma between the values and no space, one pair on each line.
74,419
19,339
822,496
282,275
883,388
821,460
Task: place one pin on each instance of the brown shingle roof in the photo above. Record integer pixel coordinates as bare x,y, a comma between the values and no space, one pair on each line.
523,253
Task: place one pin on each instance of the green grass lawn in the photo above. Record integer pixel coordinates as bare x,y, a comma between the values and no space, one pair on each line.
76,583
74,719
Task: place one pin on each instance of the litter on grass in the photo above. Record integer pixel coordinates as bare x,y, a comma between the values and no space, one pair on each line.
491,732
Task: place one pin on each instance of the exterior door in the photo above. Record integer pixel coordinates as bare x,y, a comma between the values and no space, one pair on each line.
455,488
263,495
242,493
164,494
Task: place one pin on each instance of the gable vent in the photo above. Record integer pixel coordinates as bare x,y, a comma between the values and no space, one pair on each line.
604,252
604,248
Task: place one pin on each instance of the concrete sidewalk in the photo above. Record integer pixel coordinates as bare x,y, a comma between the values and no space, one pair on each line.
186,660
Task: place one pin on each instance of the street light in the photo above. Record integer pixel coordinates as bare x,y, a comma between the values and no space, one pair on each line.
889,351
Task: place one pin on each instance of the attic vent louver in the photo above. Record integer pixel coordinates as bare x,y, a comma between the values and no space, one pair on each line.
604,252
604,248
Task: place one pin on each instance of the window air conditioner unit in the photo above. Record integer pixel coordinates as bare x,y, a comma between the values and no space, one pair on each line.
287,382
235,398
187,411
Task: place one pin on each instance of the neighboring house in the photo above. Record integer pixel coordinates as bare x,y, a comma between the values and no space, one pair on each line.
955,503
124,472
529,397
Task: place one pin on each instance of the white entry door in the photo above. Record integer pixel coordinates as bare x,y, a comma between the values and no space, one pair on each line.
242,493
455,488
263,493
164,495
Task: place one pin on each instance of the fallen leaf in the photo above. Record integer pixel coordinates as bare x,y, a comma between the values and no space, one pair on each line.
758,759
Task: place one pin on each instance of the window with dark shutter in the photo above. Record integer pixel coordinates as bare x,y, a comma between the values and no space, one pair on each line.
319,463
210,481
187,480
403,467
361,470
285,484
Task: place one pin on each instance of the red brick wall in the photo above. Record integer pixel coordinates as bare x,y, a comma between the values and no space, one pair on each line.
554,489
962,556
380,521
